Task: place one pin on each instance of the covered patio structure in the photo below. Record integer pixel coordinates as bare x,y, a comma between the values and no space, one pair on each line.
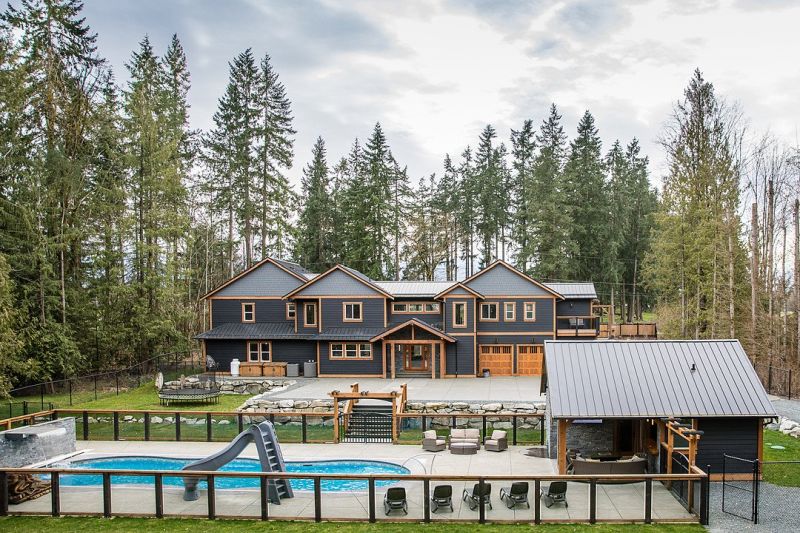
413,349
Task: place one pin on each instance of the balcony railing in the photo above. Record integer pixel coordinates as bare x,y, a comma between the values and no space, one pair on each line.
577,326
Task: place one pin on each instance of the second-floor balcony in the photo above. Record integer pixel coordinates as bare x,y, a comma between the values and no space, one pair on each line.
577,326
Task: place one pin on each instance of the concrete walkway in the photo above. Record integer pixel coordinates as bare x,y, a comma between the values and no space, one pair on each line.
497,389
786,408
614,502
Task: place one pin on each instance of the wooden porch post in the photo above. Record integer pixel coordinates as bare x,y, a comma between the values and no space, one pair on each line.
383,353
562,445
391,348
432,346
335,419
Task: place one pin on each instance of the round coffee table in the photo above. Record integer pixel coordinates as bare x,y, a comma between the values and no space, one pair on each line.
463,448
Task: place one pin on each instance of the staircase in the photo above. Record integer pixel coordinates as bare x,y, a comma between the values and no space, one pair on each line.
278,488
369,422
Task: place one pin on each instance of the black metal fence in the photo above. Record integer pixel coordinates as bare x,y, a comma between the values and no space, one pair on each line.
764,492
777,380
74,391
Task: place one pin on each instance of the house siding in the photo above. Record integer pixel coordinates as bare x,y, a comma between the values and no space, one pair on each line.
230,311
543,323
266,280
337,283
460,357
371,313
283,351
327,366
502,281
734,436
574,308
448,315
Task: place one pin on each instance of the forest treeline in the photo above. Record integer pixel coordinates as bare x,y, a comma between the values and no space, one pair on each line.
116,216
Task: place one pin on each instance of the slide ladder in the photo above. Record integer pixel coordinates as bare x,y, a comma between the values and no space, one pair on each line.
269,455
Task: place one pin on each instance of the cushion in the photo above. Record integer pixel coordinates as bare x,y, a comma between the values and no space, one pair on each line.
472,433
498,434
441,441
430,434
458,433
490,442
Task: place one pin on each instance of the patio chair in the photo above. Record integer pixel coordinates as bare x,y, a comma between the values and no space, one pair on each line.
497,442
432,443
474,498
556,493
395,500
515,495
442,497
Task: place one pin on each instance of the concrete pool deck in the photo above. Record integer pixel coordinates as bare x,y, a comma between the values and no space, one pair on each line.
614,502
522,389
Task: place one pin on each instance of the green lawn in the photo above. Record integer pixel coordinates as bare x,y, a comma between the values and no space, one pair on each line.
787,475
145,525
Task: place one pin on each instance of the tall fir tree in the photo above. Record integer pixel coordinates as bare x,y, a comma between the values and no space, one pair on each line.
315,225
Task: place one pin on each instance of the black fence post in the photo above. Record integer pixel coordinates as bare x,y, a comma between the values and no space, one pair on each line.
648,501
541,431
240,421
116,425
147,426
55,495
3,493
317,500
481,502
756,486
85,416
789,386
537,503
70,392
95,386
769,378
514,430
116,378
177,426
212,500
424,423
372,500
25,407
106,495
264,498
41,395
208,427
304,429
592,500
704,497
426,494
159,495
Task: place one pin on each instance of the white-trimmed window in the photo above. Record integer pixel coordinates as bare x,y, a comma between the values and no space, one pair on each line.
248,312
432,307
291,310
489,312
415,307
351,351
259,351
530,312
309,314
351,312
509,311
459,314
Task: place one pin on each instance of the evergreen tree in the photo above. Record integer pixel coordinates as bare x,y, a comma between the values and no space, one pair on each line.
315,226
550,233
523,150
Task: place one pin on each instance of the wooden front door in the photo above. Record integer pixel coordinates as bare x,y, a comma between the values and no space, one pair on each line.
416,357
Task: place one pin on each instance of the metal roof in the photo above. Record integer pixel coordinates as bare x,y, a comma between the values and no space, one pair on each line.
574,290
262,330
413,289
644,379
347,334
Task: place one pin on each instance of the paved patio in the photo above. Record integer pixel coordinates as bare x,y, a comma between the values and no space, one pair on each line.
614,502
496,389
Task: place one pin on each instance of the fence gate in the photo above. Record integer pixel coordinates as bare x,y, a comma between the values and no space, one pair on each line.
740,486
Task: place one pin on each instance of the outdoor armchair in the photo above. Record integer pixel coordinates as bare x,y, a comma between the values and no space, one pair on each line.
432,443
497,442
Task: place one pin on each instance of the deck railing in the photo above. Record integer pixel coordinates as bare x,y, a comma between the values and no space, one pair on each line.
534,515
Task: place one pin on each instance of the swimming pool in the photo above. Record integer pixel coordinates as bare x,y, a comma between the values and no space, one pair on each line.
237,465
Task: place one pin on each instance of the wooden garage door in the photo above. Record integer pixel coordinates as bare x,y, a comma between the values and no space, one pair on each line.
498,358
529,359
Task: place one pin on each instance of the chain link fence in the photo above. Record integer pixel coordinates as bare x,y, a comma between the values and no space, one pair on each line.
75,391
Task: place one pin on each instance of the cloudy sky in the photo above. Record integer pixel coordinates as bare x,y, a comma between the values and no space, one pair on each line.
435,72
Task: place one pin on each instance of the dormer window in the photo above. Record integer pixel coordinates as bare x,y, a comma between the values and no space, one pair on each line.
351,312
248,312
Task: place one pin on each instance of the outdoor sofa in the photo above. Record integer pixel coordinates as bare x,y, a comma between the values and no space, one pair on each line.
633,465
468,435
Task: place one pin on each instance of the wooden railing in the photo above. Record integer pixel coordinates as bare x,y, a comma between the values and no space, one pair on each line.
265,507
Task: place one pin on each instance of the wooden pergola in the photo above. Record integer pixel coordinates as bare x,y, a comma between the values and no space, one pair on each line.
398,400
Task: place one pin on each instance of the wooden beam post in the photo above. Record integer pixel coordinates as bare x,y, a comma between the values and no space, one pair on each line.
335,419
562,446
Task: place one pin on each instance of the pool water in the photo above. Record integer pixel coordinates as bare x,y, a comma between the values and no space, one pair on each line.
237,465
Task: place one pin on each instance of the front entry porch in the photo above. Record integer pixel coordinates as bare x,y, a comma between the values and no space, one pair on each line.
413,349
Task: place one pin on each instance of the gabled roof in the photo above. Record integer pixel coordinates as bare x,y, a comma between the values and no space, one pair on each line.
652,379
346,334
414,322
355,274
458,285
259,330
500,262
574,290
290,268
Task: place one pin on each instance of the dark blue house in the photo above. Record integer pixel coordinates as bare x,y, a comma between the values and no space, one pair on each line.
351,325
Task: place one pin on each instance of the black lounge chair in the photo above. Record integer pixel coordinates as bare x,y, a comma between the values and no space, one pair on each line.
442,497
395,500
515,495
556,493
474,498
